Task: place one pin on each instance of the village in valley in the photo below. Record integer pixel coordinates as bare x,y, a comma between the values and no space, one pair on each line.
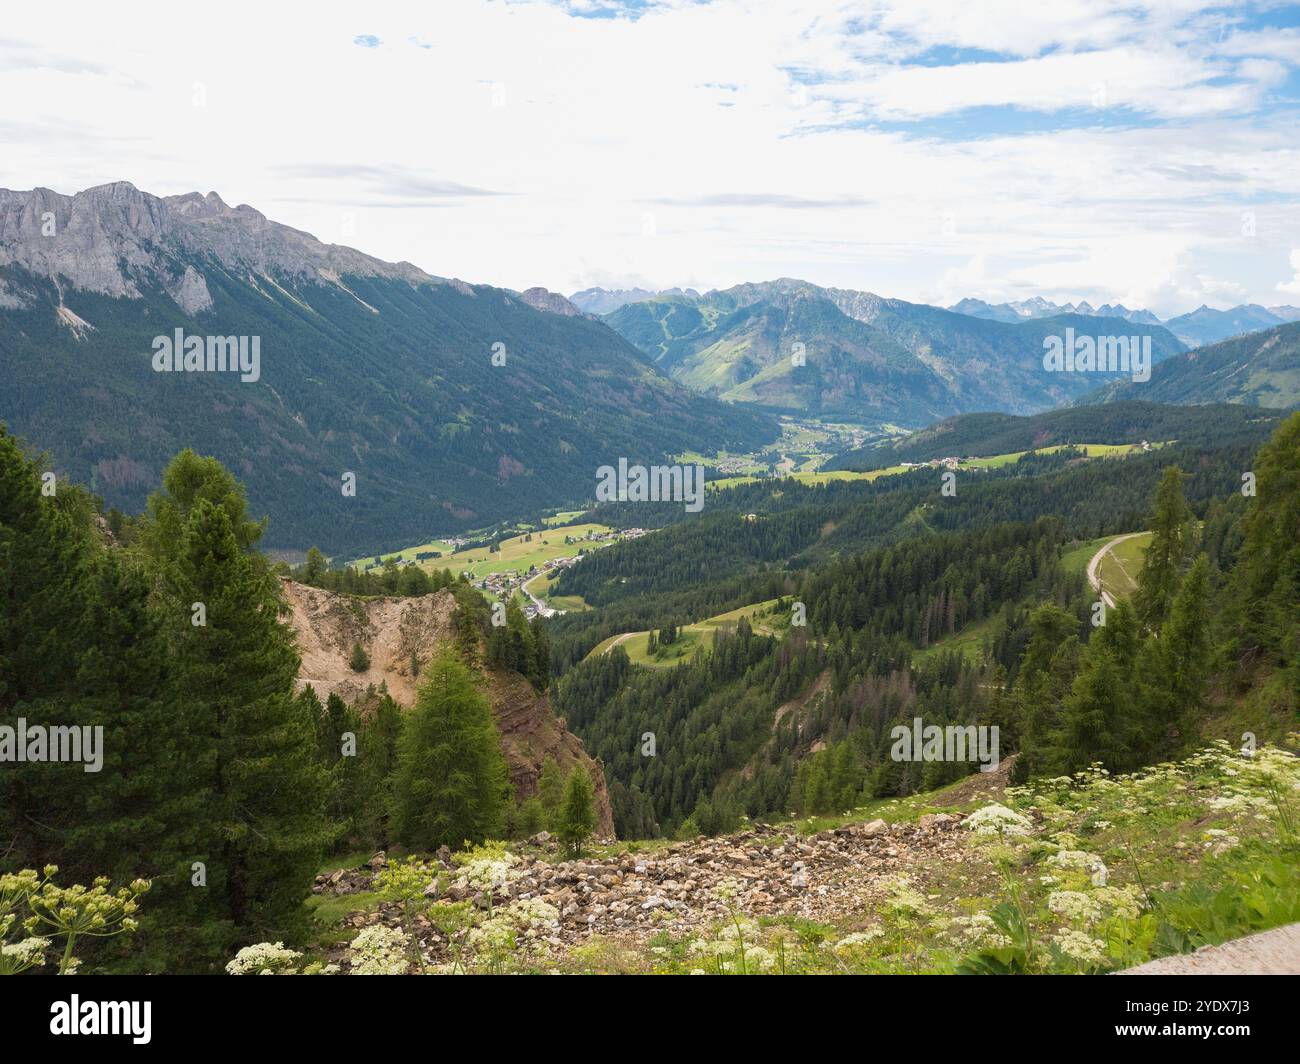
525,564
502,584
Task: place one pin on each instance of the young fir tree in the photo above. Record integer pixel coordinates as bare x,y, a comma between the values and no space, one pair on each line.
577,819
450,784
1173,531
539,670
377,759
313,570
358,660
550,789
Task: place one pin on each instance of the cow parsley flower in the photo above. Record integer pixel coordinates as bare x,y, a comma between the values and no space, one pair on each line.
997,821
379,950
1074,906
29,953
858,940
1080,947
978,932
265,958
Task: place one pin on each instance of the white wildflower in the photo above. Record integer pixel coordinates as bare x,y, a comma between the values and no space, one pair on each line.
997,821
379,950
265,958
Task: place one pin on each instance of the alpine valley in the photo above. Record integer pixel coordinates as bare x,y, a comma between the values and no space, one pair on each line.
324,546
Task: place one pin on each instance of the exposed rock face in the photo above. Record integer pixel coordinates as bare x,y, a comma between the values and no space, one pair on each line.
113,239
191,292
551,302
393,631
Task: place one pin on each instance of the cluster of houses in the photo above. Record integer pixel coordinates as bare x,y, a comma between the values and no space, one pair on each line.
735,466
934,463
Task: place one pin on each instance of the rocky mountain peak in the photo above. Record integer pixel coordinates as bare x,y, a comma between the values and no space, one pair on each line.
113,239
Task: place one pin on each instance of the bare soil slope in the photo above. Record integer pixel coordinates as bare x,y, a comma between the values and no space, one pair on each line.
397,633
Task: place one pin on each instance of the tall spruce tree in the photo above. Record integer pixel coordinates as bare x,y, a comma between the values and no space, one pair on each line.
1096,719
550,790
1177,666
1266,583
235,665
377,760
1046,672
80,646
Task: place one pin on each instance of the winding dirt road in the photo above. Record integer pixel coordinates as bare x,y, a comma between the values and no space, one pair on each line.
1094,566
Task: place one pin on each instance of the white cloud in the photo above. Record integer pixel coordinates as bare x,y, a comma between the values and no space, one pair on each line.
1292,287
526,146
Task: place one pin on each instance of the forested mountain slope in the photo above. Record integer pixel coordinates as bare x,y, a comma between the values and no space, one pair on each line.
1259,369
1130,421
803,722
454,405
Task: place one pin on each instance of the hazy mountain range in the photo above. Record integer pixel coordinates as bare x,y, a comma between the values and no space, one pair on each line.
794,346
1038,307
1201,326
605,300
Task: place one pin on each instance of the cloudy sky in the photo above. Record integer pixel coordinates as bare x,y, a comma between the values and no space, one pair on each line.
924,149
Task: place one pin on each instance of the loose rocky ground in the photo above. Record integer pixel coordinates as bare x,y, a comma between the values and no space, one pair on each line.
829,877
1071,875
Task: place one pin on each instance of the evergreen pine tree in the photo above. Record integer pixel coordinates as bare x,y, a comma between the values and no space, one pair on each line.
1266,583
1172,535
264,790
376,762
313,570
358,660
1043,679
550,789
450,784
1096,720
578,811
1177,667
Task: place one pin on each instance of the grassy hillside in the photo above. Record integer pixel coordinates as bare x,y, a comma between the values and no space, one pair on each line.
692,637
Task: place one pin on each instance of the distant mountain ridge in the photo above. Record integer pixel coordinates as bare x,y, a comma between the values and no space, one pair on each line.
453,405
1201,326
1206,325
794,346
1038,307
606,301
